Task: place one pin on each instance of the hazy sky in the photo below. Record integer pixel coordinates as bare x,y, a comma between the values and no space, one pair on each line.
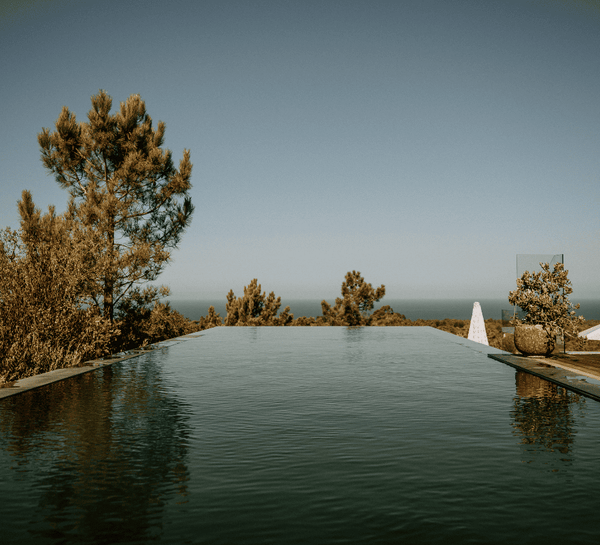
422,142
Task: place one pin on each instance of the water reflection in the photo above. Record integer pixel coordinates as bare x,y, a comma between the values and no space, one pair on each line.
354,345
544,419
103,454
285,435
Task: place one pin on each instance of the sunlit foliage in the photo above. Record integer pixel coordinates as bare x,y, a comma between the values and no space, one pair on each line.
357,301
212,319
143,324
544,297
385,316
44,284
255,308
124,187
75,286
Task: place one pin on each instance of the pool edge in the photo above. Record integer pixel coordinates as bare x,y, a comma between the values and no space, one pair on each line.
565,377
43,379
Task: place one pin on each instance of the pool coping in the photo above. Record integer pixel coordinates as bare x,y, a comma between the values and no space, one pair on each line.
37,381
559,373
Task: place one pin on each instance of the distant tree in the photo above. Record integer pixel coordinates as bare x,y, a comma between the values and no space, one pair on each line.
385,316
125,190
357,301
255,308
212,319
544,297
304,321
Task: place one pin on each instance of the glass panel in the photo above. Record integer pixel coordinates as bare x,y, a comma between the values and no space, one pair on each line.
531,262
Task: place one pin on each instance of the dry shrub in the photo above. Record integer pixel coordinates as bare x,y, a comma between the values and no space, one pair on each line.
142,326
385,316
43,322
49,299
33,350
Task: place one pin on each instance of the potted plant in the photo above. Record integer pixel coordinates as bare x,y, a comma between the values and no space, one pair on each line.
543,296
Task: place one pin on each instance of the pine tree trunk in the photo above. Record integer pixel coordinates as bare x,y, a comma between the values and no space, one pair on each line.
109,278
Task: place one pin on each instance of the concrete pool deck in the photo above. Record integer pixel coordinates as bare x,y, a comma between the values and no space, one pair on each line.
573,375
37,381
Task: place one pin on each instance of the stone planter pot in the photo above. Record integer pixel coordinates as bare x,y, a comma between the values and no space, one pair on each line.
532,340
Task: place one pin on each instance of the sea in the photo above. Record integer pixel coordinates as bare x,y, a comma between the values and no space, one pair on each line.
426,309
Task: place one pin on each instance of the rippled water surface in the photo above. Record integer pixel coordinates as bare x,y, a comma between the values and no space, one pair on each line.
302,435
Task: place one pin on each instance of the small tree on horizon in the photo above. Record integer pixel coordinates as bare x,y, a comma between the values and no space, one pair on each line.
125,190
255,308
357,301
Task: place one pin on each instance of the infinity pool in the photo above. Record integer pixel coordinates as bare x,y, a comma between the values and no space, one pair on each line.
302,435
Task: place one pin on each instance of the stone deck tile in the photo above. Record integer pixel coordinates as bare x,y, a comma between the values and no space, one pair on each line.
567,376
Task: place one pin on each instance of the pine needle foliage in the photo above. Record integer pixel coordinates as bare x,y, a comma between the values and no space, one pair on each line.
357,301
212,319
124,188
143,326
255,308
44,320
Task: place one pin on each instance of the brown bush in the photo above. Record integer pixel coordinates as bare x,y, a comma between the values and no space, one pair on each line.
44,322
212,319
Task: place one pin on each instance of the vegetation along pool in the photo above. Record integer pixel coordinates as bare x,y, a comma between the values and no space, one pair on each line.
302,435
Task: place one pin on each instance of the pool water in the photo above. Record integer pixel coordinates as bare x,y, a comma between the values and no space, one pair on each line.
302,435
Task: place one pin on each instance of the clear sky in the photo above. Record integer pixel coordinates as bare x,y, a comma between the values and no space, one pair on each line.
422,142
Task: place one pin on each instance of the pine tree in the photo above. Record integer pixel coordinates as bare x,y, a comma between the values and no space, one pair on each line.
357,301
255,308
125,190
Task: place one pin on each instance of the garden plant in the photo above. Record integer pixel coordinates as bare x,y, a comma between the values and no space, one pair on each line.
544,297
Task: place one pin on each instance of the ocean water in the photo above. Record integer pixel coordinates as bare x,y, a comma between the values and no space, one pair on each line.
278,435
426,309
